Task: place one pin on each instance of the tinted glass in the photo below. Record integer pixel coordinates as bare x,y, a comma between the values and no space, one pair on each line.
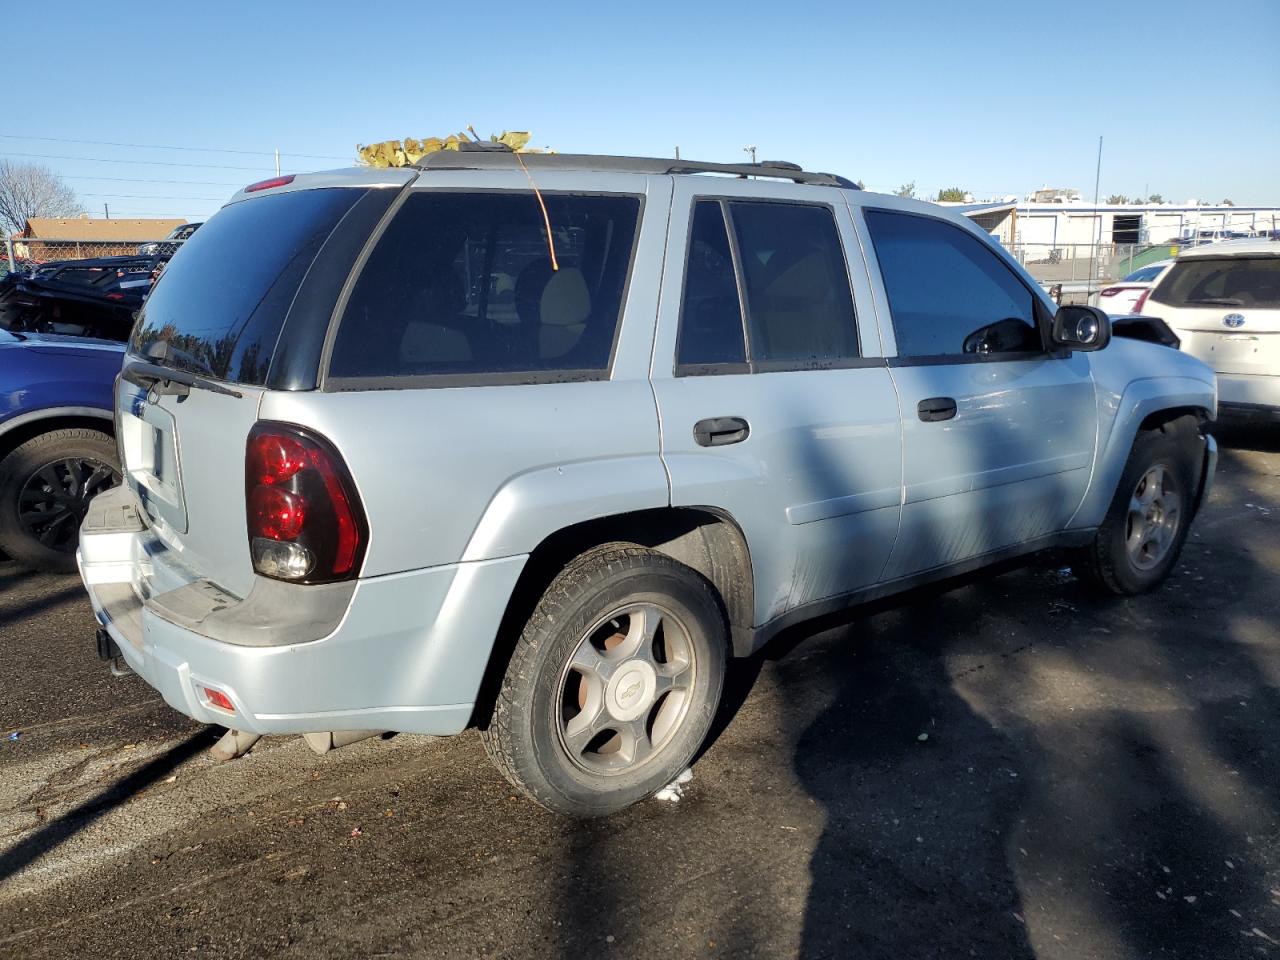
949,293
463,283
222,299
1226,282
1145,275
799,306
710,312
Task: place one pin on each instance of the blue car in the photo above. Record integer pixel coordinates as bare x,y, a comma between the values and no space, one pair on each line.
57,444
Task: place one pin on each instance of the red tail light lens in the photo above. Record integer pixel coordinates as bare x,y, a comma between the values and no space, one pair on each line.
305,520
1141,301
269,184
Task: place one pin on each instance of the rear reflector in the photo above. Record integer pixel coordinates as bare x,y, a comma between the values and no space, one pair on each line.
268,184
216,698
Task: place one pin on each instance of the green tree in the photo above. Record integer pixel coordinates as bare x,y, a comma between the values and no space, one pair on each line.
1226,203
952,194
1117,198
1155,198
860,185
907,190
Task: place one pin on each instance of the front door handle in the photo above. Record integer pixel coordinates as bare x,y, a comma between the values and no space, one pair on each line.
936,408
717,431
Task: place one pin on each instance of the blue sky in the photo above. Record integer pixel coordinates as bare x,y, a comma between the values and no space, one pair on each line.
994,96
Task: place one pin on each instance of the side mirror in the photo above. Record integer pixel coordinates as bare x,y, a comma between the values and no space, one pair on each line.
1081,328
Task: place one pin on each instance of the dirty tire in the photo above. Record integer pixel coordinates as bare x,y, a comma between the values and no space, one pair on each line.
1106,563
22,465
524,737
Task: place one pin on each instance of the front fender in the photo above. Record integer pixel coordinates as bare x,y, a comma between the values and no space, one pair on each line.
532,506
1125,414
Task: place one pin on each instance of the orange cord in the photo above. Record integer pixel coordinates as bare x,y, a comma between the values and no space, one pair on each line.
551,241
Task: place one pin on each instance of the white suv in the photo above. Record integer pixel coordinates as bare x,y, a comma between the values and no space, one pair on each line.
1223,302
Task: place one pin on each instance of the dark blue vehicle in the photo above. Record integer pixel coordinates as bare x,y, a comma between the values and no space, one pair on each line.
57,446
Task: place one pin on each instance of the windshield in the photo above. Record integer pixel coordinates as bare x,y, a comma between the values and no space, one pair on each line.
221,302
1221,282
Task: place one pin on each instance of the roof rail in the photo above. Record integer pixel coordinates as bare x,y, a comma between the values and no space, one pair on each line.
491,159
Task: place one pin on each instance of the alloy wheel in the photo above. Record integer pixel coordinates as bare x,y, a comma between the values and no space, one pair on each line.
1155,515
55,499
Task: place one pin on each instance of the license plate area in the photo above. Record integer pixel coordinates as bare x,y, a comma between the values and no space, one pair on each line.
149,444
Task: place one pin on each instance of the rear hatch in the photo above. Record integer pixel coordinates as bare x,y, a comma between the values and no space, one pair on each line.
1225,309
215,317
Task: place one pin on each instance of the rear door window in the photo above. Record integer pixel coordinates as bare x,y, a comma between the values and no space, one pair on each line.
711,332
465,284
1221,282
949,293
221,301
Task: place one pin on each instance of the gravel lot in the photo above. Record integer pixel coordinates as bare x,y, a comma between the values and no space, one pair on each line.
1009,767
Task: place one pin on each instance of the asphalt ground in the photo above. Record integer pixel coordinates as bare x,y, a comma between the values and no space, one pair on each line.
1005,767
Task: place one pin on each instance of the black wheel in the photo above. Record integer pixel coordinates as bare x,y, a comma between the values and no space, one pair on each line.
45,488
613,684
1140,540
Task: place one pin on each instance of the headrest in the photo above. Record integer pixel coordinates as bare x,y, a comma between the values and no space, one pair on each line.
566,302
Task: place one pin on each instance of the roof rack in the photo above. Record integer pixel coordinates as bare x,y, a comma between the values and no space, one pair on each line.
489,159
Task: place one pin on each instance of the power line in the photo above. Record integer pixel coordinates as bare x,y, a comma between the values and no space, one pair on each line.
149,163
144,196
161,146
193,183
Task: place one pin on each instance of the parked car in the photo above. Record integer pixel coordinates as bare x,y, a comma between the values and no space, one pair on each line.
1223,302
712,407
94,298
57,446
170,244
1126,296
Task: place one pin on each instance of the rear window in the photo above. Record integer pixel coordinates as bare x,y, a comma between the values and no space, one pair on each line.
222,299
1221,282
463,284
1145,275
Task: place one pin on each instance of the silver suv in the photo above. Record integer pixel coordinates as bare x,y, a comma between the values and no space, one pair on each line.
537,444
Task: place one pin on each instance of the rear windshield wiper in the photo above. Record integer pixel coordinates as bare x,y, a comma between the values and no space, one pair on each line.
170,381
1219,301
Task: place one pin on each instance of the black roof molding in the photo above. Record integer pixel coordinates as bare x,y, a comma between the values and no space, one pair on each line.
491,159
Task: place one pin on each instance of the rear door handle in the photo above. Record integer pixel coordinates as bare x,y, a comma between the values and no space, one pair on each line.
936,408
718,431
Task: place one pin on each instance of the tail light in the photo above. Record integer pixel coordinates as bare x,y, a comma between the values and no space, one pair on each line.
1141,301
306,524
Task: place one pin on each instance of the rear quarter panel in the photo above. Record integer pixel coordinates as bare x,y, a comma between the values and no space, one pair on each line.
53,377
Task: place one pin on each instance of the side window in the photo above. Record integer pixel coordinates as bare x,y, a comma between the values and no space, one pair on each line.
710,311
463,283
799,304
949,294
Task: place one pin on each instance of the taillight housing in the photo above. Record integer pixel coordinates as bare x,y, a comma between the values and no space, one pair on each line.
270,184
305,520
1141,301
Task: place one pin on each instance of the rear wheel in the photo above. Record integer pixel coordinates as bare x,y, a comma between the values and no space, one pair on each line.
1140,540
45,488
613,684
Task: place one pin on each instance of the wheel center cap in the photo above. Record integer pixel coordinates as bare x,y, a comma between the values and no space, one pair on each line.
630,691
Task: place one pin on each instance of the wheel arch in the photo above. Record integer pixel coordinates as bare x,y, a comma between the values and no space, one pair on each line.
18,430
705,539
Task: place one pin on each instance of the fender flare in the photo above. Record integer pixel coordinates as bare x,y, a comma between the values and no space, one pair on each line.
50,413
531,506
1140,399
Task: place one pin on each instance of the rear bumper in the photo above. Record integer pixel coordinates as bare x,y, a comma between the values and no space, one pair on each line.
1248,393
407,654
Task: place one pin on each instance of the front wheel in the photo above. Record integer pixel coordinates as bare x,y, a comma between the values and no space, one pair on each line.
613,684
1139,542
45,488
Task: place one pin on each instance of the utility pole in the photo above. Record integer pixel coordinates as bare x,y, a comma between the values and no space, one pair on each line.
106,211
751,150
677,151
277,161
